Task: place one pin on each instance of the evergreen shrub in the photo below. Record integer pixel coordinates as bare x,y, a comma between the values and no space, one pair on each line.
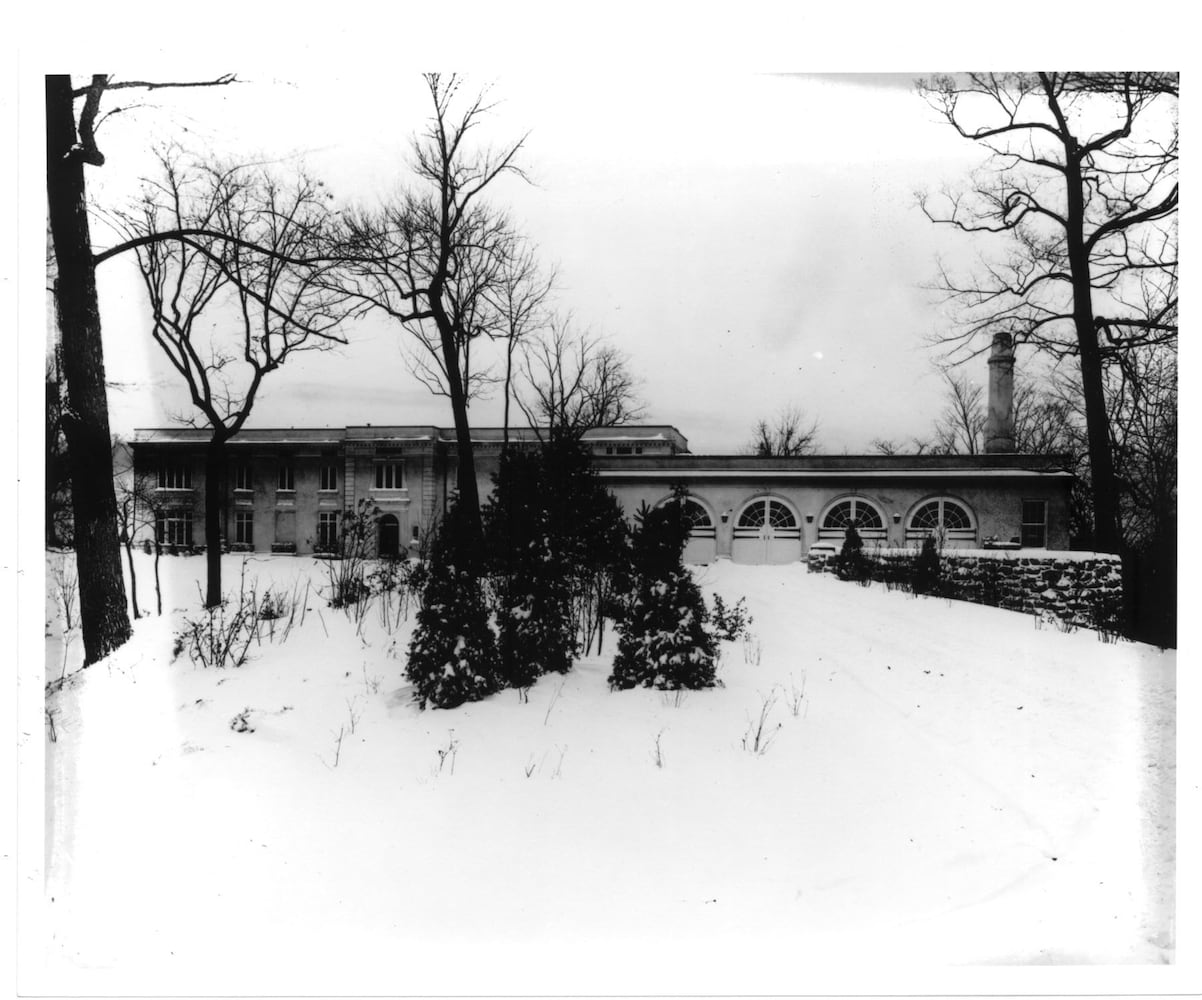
453,652
664,642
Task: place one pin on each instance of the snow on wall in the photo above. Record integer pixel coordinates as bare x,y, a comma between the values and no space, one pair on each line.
1077,588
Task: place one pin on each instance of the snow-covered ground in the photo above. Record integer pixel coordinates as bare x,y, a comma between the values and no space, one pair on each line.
949,784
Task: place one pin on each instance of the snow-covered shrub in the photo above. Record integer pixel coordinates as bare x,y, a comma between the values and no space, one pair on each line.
926,568
453,652
851,563
759,735
730,623
221,635
554,534
664,642
347,566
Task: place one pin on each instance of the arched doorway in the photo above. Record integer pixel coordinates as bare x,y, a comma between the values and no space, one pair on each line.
766,531
389,535
701,548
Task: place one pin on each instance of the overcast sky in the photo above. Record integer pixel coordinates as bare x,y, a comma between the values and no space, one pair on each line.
752,241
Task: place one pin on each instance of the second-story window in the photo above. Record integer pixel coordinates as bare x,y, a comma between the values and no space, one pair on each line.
329,477
175,476
388,475
287,480
243,477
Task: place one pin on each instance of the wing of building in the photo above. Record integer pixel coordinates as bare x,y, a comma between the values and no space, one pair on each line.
286,490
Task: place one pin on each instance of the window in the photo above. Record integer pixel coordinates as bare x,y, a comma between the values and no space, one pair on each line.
942,517
329,477
242,477
287,479
176,476
327,529
173,527
701,525
853,511
244,527
767,514
388,475
1035,524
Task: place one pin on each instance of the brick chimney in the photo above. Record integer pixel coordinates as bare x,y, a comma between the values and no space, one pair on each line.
999,417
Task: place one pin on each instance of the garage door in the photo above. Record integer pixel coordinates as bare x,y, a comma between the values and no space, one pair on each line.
766,531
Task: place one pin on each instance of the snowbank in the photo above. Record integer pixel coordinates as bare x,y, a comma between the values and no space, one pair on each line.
943,785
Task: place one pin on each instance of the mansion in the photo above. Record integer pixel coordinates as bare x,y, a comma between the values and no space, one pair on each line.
286,490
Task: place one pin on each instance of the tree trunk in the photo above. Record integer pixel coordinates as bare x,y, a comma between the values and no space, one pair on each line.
103,615
133,580
158,587
469,495
214,507
1097,422
508,383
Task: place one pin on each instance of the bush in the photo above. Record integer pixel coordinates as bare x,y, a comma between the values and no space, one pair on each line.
730,623
453,653
220,635
851,563
346,569
927,571
554,534
664,642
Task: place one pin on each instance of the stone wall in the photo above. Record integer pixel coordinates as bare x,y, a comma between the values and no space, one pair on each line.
1075,588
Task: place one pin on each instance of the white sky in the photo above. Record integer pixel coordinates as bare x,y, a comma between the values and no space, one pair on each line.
751,241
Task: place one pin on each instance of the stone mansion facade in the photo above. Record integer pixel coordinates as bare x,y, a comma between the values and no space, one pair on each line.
286,490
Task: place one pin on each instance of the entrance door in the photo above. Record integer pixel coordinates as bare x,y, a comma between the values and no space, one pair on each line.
766,532
390,535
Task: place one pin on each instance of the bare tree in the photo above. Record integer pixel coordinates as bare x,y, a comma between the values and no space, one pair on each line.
788,434
887,446
70,145
1079,211
137,508
520,301
575,382
233,299
960,428
427,259
480,269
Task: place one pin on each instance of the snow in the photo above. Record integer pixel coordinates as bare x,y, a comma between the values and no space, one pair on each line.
950,785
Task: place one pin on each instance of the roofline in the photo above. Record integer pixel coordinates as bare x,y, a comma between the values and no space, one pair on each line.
839,473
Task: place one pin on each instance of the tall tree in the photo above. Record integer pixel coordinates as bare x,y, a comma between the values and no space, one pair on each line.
1079,211
788,435
960,428
520,301
70,145
234,262
574,382
431,258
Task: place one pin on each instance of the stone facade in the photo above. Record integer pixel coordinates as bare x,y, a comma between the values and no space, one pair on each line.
1079,588
286,488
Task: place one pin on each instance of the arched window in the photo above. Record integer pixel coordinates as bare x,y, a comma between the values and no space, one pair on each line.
701,524
841,515
767,514
942,517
